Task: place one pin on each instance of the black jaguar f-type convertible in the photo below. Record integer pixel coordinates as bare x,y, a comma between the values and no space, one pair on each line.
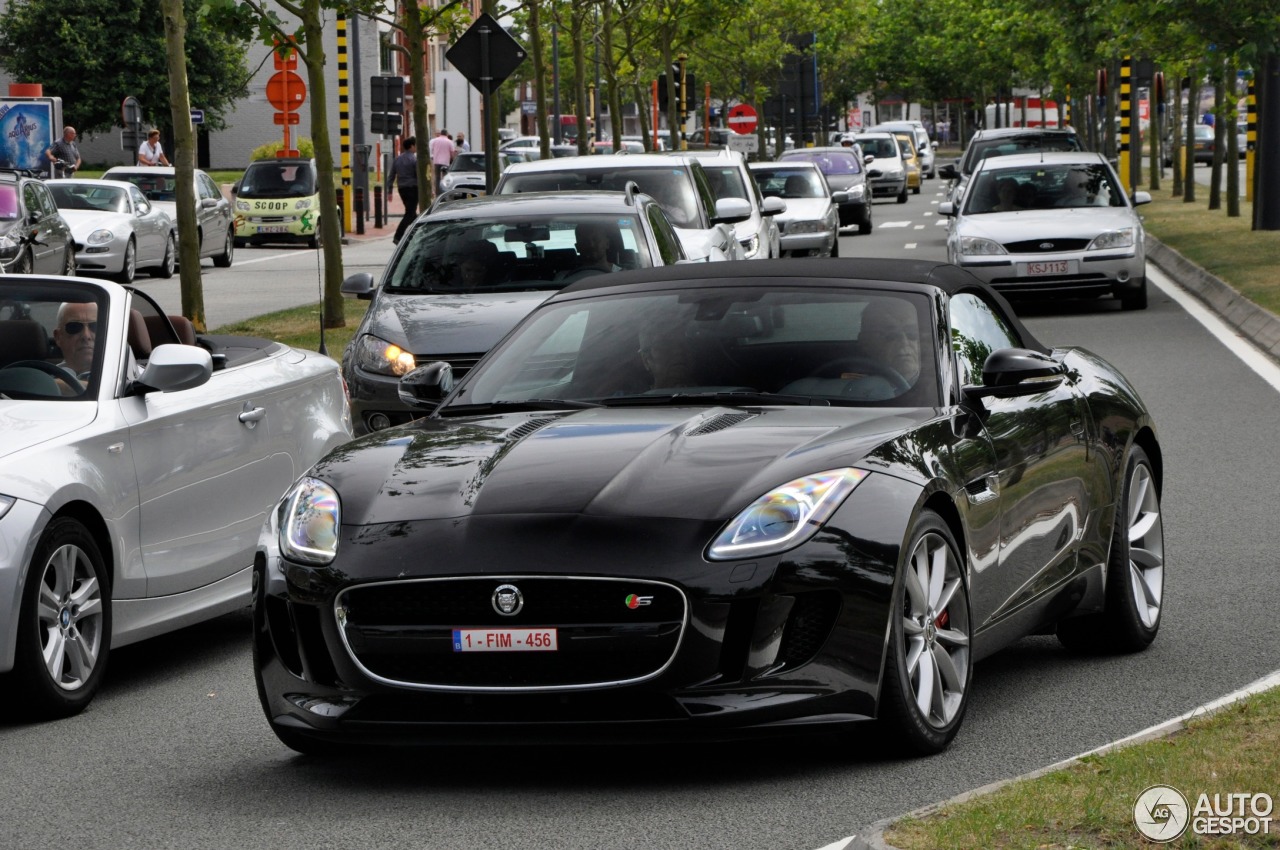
713,501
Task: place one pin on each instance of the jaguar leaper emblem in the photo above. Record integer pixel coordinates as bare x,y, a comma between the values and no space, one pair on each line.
508,600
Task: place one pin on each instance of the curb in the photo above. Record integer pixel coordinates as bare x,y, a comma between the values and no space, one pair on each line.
872,838
1257,324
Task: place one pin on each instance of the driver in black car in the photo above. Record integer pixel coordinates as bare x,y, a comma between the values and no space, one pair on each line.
891,335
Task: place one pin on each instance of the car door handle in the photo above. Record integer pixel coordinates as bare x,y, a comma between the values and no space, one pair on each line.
252,415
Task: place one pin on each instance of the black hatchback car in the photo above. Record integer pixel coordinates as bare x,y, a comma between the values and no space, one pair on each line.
1003,141
34,238
844,171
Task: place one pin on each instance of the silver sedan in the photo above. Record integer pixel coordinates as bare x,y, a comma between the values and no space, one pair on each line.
138,464
1051,224
809,226
116,229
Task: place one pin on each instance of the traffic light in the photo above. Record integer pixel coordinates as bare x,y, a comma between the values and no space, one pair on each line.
662,91
386,123
387,94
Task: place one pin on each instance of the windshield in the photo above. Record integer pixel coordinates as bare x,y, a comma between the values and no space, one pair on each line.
156,187
833,162
1042,186
1032,143
468,162
8,202
787,345
86,196
277,180
789,183
512,254
726,182
881,148
671,187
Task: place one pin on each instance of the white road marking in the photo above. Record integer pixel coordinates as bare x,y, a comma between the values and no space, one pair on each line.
895,224
909,245
928,213
918,227
941,221
1255,359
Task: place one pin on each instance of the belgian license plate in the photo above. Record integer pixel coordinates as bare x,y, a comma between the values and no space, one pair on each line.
504,640
273,229
1047,267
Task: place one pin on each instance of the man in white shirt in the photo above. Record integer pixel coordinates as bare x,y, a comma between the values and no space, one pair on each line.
151,152
442,152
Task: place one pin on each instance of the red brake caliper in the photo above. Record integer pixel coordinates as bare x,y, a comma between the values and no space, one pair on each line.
942,619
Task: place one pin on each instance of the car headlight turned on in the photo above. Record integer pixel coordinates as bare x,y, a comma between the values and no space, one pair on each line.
309,519
381,357
1122,238
785,516
976,246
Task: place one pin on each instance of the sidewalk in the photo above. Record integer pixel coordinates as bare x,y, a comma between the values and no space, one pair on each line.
393,209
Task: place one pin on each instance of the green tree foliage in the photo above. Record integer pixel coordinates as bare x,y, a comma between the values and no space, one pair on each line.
94,53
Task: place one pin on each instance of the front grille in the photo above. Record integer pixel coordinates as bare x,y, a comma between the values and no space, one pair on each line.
1041,280
608,631
812,618
1045,246
461,363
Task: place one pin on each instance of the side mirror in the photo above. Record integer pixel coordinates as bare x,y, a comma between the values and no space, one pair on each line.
948,172
867,158
174,367
840,197
209,203
729,210
425,386
1012,372
1140,198
359,285
773,206
946,208
235,188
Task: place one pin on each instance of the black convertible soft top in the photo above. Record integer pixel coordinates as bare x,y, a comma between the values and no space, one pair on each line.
908,275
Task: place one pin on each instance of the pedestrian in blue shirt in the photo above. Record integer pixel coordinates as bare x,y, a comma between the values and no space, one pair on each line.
404,174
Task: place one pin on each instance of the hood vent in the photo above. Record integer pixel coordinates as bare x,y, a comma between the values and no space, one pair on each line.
524,429
718,423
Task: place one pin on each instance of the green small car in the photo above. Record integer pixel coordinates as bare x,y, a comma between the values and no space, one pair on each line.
278,200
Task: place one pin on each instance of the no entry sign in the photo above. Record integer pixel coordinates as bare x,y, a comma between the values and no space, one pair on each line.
742,118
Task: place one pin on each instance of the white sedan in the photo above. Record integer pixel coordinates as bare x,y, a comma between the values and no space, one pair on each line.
1052,224
138,464
215,220
116,229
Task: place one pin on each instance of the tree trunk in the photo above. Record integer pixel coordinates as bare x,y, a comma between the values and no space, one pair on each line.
412,23
333,311
539,72
1266,203
1219,119
611,75
1189,148
1232,156
1174,151
577,20
184,163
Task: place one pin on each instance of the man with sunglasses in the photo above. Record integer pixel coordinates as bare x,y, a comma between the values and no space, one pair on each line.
76,333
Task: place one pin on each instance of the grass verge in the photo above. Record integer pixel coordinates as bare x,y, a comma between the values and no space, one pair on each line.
300,327
1091,803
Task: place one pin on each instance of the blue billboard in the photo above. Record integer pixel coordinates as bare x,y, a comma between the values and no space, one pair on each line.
27,128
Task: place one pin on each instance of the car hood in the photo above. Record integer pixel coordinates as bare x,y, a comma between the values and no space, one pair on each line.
1062,223
30,423
703,463
840,182
804,209
84,222
449,324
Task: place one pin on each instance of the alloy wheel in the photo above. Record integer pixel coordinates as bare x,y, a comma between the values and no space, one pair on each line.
1146,545
935,630
70,616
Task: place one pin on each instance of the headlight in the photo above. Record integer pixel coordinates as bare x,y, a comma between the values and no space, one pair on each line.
971,246
857,191
99,237
243,206
786,516
304,204
6,502
309,522
9,243
382,357
1113,239
893,173
750,246
807,227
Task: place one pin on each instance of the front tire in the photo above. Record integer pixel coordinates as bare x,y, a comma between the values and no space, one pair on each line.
69,262
223,260
902,196
64,626
164,271
24,264
929,665
129,268
1135,571
1136,300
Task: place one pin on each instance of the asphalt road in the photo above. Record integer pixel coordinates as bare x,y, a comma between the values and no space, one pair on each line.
174,752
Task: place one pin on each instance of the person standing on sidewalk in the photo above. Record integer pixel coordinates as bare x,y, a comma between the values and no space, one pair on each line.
442,154
404,174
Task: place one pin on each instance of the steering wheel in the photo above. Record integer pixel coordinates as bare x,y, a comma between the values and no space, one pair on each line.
49,369
864,365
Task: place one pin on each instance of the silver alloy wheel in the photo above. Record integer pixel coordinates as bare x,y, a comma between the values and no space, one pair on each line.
129,268
70,615
1146,545
935,629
